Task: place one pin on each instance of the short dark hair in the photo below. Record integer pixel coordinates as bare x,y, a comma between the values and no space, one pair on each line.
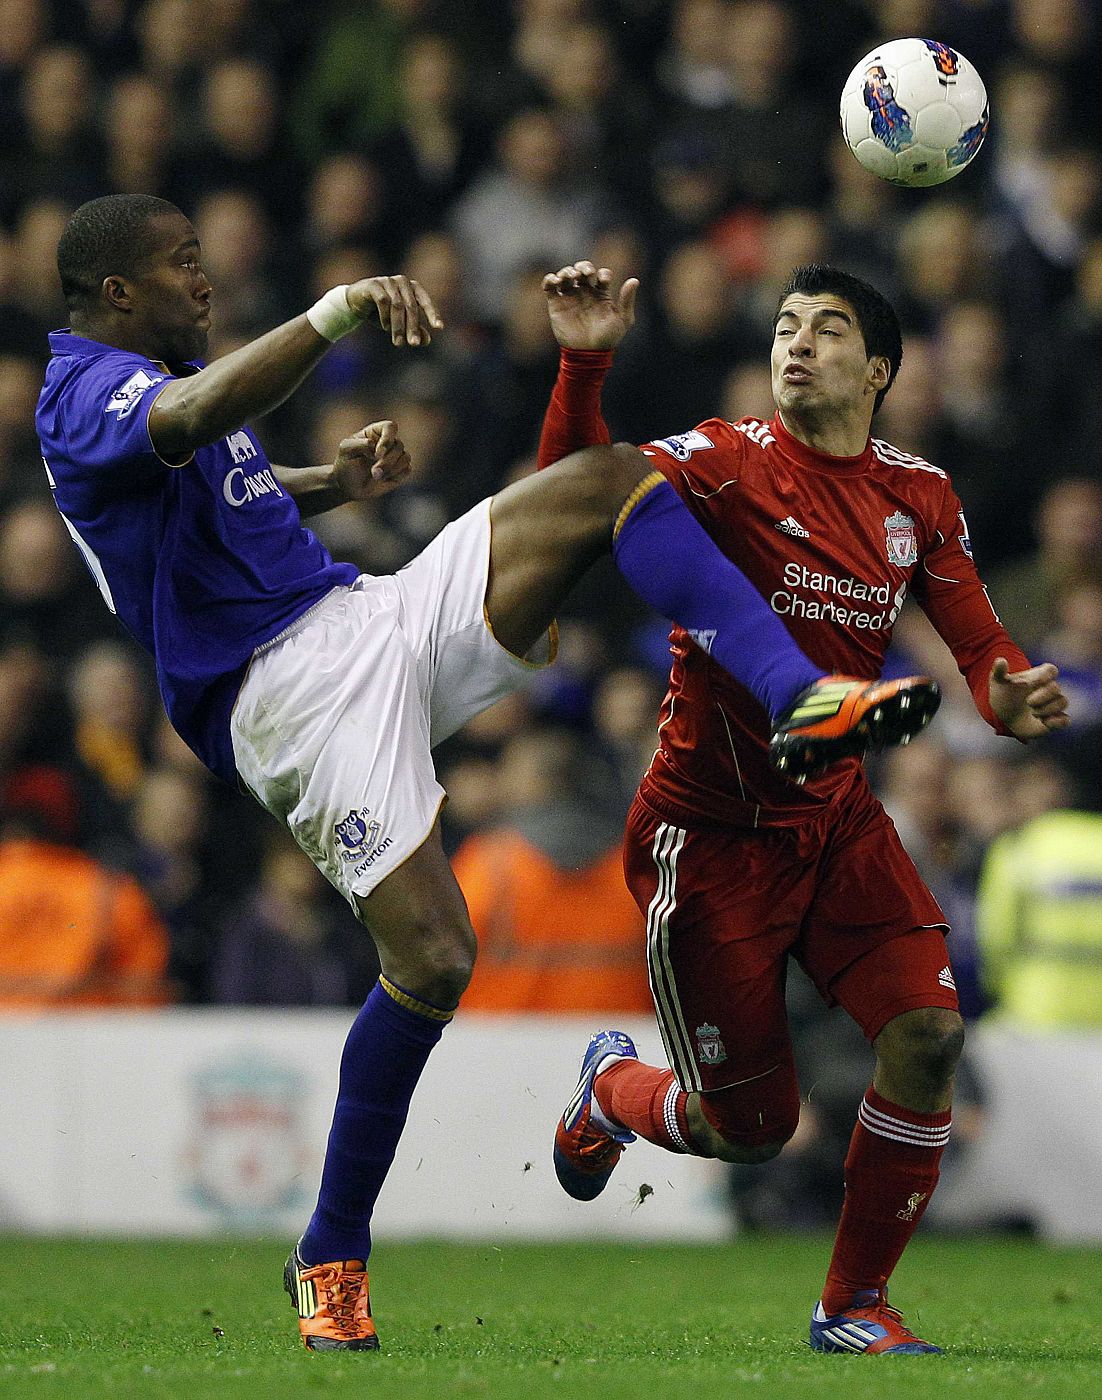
105,235
876,318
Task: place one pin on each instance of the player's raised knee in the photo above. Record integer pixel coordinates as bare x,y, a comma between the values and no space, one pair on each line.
604,477
433,957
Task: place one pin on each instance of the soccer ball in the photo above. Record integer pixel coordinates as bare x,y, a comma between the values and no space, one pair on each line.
914,112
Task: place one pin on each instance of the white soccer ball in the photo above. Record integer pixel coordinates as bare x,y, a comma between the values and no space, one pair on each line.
914,112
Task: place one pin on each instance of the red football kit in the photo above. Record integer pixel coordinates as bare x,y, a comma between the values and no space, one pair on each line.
734,866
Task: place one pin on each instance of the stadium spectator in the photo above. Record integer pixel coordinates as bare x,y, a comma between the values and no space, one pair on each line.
697,330
34,289
346,207
1075,644
557,929
20,462
110,704
349,92
289,943
606,118
44,596
772,162
1039,913
980,427
522,209
429,155
691,68
237,145
138,135
940,261
234,225
61,154
1068,552
73,934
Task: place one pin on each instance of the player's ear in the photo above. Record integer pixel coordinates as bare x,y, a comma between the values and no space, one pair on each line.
880,372
116,293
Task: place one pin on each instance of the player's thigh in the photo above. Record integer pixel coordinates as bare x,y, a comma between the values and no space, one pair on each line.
874,939
462,667
547,530
330,733
721,912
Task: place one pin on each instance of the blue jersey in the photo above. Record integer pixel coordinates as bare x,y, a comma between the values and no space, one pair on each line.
203,563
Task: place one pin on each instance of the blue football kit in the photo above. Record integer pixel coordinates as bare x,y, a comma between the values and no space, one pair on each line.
203,563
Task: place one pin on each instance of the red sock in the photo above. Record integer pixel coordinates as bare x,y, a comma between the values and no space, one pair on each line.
647,1101
891,1171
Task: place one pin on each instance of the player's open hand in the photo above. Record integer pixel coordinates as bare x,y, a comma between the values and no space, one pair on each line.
404,308
585,315
1029,703
371,462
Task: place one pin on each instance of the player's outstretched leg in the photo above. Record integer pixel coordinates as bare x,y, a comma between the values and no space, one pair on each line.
334,1309
842,717
616,1099
588,1147
548,529
870,1325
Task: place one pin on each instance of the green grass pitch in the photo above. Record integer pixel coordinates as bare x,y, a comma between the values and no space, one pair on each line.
188,1321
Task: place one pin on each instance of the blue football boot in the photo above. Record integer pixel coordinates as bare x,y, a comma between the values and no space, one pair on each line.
585,1153
868,1325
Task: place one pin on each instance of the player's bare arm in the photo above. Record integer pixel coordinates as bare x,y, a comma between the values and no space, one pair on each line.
257,377
585,313
1030,703
368,464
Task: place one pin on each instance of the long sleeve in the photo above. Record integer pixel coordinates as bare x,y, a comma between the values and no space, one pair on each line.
573,418
953,596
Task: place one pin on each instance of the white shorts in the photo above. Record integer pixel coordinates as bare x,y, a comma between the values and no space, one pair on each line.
336,717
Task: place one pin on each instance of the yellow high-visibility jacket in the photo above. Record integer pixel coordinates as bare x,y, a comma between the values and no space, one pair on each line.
1039,922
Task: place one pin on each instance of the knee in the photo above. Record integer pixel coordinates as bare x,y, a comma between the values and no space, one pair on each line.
720,1128
603,477
925,1045
435,959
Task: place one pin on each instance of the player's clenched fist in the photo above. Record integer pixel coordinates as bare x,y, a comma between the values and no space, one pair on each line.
371,462
585,315
404,308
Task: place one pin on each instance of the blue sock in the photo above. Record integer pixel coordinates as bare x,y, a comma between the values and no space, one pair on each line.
673,564
383,1057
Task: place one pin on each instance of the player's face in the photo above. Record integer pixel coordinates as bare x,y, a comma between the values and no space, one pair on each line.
820,367
171,293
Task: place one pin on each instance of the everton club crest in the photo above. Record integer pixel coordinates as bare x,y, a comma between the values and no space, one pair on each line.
356,834
901,539
709,1046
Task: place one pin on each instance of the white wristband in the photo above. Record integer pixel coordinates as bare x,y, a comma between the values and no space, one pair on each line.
331,316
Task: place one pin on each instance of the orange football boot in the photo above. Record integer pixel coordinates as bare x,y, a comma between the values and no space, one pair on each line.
843,717
334,1310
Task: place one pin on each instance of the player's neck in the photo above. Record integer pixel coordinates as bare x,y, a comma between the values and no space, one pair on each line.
835,438
121,336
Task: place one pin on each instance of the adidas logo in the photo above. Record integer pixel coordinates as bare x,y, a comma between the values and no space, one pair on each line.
793,527
945,977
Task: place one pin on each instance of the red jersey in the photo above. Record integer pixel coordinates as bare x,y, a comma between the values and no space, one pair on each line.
834,544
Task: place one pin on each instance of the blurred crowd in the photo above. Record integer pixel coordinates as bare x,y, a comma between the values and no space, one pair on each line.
693,143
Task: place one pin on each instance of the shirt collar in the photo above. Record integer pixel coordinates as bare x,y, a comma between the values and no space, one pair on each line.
64,342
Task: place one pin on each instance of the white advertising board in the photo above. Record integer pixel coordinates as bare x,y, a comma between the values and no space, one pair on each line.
192,1122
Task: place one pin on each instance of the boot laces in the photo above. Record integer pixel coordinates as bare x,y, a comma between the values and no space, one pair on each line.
344,1294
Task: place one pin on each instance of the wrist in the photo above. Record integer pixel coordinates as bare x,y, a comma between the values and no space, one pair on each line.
331,316
584,361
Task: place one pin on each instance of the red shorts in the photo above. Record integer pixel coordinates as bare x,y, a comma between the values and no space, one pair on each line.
725,907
